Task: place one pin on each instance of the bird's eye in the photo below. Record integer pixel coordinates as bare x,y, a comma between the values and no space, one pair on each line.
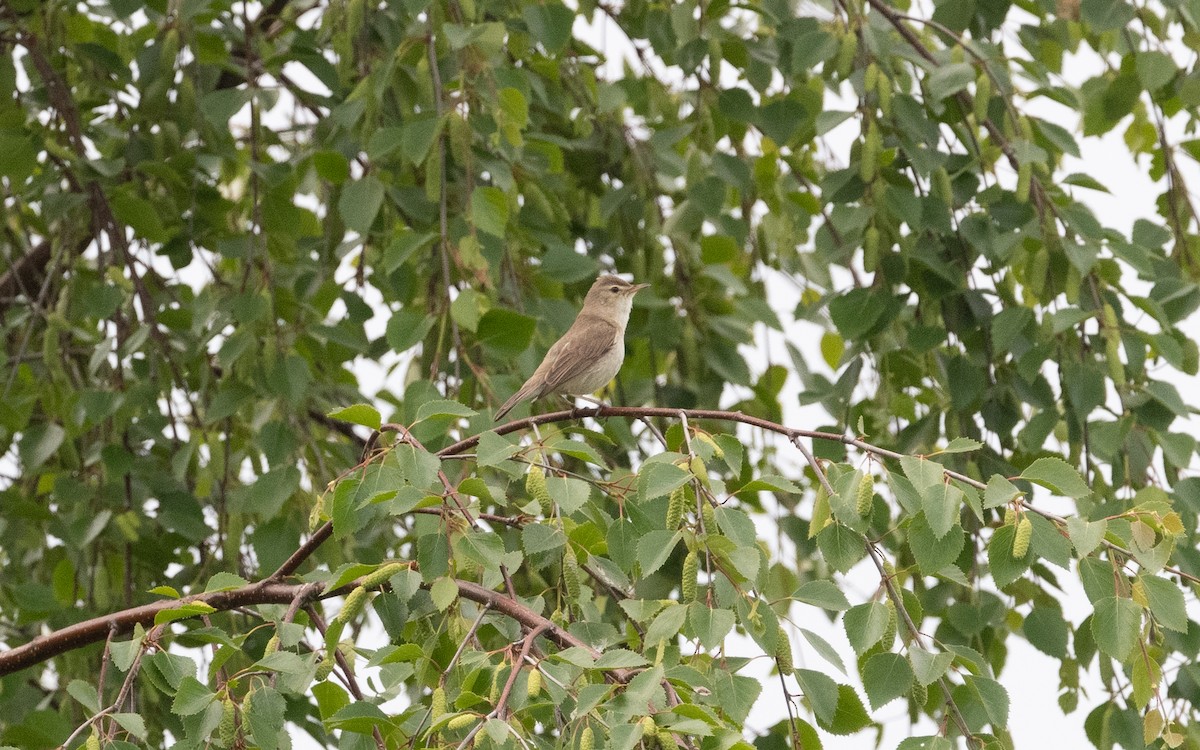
614,289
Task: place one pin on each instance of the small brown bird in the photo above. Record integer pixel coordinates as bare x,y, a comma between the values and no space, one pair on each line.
590,353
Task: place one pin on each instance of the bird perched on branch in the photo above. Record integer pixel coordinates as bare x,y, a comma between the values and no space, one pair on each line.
590,353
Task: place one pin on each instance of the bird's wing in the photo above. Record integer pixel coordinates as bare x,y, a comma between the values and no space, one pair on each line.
573,354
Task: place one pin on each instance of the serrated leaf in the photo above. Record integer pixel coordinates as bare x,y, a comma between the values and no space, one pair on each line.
192,697
929,667
710,625
886,677
620,658
224,581
1085,535
1057,475
823,594
942,504
654,549
659,478
821,691
1000,492
1166,602
443,408
960,445
494,449
1116,626
865,624
363,414
443,592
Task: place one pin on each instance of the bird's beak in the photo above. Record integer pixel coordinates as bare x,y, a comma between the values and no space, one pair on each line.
637,288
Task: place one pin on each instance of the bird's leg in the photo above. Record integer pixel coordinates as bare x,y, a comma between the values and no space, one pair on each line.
576,412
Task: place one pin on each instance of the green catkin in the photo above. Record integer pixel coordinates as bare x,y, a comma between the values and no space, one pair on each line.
587,739
1024,183
460,722
570,570
920,694
871,243
1021,539
866,493
649,733
884,88
687,581
846,53
1025,127
709,517
381,575
1010,516
868,160
93,742
871,77
355,603
324,669
272,645
437,703
783,654
983,96
675,506
534,685
889,633
535,485
941,179
227,729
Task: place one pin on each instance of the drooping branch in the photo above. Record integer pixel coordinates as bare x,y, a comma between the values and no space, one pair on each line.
273,590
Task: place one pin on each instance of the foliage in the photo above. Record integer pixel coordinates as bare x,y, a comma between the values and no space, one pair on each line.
218,215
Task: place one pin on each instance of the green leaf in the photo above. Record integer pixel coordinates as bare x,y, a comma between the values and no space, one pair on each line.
363,414
851,716
569,493
991,696
539,537
132,723
494,449
192,697
1000,492
947,80
929,667
1116,626
821,691
659,478
1047,631
359,717
183,612
942,504
886,677
550,24
1057,475
505,331
489,210
360,203
39,443
654,549
620,658
925,743
933,554
139,214
960,445
265,717
666,625
823,594
443,592
823,647
407,328
1166,602
85,693
1085,535
224,581
710,625
268,493
1003,567
865,624
443,408
841,546
416,137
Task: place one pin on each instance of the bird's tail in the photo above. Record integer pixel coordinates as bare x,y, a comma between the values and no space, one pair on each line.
526,391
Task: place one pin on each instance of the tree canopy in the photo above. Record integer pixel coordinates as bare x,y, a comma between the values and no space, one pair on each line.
268,268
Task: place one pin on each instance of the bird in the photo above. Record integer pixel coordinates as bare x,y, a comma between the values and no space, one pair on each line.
590,353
